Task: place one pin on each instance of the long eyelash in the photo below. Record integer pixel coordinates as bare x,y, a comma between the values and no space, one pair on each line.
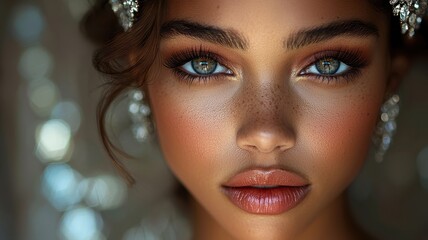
348,76
180,58
352,58
184,56
189,78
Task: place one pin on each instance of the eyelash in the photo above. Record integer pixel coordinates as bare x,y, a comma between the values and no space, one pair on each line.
179,59
352,58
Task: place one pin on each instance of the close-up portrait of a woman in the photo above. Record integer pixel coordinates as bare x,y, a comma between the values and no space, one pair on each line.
237,120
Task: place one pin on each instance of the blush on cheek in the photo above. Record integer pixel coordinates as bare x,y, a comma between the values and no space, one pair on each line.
188,139
342,138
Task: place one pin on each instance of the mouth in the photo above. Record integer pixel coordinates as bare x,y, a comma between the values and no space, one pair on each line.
266,192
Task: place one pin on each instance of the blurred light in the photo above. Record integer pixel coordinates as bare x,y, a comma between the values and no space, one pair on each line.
139,233
60,185
69,112
78,8
35,63
81,223
422,163
53,140
43,95
105,192
27,24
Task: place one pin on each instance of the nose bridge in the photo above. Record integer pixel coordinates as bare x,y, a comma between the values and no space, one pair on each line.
265,124
265,102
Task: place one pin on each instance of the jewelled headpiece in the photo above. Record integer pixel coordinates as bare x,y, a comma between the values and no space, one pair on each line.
411,13
126,11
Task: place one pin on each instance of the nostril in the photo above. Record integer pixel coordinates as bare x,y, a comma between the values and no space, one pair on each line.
256,139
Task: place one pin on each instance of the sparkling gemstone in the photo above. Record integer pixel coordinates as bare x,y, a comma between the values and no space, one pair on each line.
386,141
412,19
384,117
416,5
404,12
411,32
390,126
144,110
404,28
141,133
396,10
133,108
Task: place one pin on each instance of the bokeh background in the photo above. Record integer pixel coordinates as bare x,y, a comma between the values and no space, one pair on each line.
56,181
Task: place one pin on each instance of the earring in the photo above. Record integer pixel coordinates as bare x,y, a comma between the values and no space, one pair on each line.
139,112
386,127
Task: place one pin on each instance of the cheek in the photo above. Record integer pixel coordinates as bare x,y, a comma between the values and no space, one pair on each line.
188,131
339,140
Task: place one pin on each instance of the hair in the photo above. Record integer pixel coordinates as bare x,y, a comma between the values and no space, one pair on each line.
125,58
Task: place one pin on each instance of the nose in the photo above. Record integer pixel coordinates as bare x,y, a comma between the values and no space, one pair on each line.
265,137
266,127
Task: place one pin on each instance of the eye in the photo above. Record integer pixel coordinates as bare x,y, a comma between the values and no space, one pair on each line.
202,66
327,67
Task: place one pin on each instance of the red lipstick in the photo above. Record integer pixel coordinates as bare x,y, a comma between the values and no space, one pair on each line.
266,192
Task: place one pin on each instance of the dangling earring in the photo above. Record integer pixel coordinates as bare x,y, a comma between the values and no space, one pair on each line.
139,112
386,127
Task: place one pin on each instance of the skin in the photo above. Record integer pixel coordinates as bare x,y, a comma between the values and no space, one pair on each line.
266,116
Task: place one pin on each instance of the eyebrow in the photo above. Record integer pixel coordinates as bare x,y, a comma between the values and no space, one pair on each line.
321,33
227,37
232,39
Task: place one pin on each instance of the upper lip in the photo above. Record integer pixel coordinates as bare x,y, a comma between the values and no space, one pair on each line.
266,178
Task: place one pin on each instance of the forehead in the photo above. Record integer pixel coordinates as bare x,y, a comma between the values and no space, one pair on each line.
251,16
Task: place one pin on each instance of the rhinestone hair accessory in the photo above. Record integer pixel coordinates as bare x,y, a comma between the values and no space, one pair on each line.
126,12
411,13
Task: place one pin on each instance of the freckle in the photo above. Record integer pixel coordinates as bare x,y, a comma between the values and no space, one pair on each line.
218,7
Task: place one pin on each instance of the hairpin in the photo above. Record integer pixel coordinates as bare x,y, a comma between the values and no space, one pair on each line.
411,13
126,11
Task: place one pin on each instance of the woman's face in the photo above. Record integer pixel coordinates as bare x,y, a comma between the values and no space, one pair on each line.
265,109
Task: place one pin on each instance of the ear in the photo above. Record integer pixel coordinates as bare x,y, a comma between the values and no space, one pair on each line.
400,66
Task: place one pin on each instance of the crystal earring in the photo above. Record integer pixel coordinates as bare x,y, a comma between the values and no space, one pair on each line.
139,112
386,127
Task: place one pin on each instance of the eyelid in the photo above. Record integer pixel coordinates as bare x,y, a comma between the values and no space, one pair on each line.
177,60
181,57
354,58
188,64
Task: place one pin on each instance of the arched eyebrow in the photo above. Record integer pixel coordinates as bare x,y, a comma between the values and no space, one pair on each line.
226,37
233,39
355,28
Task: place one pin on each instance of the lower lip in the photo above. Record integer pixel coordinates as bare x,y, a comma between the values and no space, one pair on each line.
268,201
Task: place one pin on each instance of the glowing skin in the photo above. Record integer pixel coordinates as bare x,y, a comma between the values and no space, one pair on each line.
270,111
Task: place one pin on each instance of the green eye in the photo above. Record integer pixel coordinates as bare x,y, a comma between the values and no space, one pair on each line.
327,67
204,66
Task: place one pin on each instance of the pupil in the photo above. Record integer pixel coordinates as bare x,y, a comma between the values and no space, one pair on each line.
204,66
328,66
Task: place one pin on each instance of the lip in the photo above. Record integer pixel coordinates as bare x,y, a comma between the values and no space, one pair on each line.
266,192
